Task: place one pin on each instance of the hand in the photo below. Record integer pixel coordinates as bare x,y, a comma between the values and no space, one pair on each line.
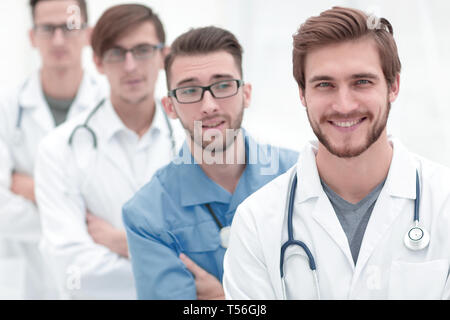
23,185
105,234
208,287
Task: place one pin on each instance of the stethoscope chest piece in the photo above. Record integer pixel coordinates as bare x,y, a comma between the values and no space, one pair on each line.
416,238
225,236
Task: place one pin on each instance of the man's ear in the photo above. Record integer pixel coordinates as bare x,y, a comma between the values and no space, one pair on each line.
394,89
164,52
88,35
98,64
302,96
169,107
247,89
32,38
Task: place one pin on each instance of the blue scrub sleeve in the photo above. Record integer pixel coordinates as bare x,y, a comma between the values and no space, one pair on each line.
158,271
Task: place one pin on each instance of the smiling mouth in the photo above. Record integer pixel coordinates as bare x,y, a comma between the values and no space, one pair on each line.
347,124
213,124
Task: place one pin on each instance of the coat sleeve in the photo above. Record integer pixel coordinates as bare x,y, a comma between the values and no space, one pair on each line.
245,272
84,269
158,271
19,219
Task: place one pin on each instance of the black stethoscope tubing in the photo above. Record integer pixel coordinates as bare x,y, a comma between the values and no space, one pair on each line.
85,125
291,241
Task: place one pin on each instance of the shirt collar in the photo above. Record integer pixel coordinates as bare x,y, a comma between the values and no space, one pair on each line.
400,181
111,123
197,188
33,86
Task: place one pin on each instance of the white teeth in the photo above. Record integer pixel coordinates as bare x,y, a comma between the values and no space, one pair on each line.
347,123
212,125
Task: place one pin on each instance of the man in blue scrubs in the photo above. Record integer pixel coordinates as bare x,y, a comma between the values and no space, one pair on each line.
180,219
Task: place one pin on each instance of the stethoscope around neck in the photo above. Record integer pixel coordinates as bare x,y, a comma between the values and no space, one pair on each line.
85,126
415,239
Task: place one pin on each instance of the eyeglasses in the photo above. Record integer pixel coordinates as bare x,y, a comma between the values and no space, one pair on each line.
219,90
139,52
48,30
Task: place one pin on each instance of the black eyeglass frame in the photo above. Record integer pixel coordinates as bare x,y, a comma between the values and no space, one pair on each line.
53,27
172,93
155,47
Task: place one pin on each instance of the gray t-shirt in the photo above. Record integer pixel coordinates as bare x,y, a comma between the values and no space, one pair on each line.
353,217
59,108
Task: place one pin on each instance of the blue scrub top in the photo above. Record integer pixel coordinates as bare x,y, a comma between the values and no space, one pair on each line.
168,216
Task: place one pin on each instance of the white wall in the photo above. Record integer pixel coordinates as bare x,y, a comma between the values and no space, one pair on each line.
265,28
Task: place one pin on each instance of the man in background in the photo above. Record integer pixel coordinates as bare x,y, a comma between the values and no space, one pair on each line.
59,90
90,166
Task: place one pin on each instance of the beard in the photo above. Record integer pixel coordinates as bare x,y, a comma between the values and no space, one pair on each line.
348,151
212,141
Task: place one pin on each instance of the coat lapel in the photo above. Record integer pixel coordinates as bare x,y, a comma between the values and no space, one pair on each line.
32,100
400,185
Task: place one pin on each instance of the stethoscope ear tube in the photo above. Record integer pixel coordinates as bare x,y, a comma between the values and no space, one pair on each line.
291,241
85,125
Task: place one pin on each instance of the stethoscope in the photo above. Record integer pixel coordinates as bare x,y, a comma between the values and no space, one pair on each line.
224,231
415,239
18,134
85,126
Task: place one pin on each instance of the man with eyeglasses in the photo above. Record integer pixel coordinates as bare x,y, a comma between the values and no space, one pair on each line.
89,167
178,224
60,89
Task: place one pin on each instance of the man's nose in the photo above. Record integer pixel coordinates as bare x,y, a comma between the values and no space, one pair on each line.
209,104
58,37
345,101
130,62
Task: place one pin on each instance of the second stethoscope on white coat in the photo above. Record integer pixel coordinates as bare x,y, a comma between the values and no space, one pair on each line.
85,126
18,134
416,238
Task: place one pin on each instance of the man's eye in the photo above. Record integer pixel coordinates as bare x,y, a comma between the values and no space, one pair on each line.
189,91
362,81
223,85
115,52
143,50
323,85
47,28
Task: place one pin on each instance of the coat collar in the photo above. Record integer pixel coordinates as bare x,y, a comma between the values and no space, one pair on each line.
197,188
31,94
110,123
400,181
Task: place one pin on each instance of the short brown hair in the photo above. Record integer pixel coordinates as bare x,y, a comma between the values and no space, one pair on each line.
81,4
118,20
344,24
203,41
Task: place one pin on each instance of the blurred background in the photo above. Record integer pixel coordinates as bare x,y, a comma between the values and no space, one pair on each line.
419,117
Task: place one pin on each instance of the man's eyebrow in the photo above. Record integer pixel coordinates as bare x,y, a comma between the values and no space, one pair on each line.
214,77
184,81
116,46
222,76
366,75
320,78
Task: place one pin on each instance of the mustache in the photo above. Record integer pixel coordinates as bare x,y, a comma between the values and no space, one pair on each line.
337,116
215,117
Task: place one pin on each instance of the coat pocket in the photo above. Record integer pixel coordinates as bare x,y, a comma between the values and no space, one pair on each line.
425,280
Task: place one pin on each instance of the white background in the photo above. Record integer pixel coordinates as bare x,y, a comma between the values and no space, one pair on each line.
419,117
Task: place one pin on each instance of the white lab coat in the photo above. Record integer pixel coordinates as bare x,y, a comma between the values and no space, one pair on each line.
73,179
22,271
385,268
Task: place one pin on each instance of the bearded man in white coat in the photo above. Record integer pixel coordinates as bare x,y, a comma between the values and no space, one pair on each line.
368,219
